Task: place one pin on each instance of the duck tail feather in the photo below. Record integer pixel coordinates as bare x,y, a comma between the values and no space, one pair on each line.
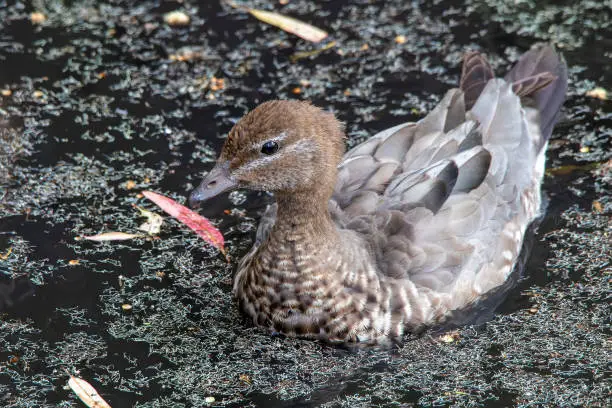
475,74
540,79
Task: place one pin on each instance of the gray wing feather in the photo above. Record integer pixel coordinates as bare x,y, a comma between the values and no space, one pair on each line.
474,165
430,198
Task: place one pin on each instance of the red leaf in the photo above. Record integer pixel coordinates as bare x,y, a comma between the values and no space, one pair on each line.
196,222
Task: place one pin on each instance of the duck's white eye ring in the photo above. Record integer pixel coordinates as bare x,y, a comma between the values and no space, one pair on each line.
269,147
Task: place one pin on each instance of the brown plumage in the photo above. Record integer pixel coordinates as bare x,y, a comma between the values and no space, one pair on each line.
416,222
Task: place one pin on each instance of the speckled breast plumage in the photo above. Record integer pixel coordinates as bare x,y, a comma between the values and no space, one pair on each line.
314,292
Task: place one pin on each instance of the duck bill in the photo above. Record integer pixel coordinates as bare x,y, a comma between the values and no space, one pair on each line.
217,181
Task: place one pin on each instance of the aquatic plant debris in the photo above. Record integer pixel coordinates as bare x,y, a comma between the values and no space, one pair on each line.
5,256
196,222
289,24
37,17
87,393
177,18
599,93
154,221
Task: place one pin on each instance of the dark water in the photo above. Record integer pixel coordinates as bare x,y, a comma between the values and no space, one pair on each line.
98,102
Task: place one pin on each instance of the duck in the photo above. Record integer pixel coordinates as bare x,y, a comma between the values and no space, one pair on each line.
418,221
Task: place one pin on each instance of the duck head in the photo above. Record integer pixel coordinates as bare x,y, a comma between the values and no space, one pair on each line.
285,147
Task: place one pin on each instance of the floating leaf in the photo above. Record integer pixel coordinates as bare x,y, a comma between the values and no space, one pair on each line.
87,393
571,168
288,24
300,55
196,222
110,236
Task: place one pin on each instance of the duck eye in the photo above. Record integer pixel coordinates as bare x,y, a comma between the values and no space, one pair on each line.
269,148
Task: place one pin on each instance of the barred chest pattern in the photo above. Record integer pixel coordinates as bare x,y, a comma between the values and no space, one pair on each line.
328,289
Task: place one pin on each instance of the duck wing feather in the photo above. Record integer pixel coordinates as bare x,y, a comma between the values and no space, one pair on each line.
432,199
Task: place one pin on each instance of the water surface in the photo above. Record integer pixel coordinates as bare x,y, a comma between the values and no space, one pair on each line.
100,107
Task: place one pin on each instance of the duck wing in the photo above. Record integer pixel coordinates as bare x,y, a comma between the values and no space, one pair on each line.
413,162
419,192
445,201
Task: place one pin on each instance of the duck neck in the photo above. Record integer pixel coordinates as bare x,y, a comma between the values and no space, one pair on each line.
304,216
